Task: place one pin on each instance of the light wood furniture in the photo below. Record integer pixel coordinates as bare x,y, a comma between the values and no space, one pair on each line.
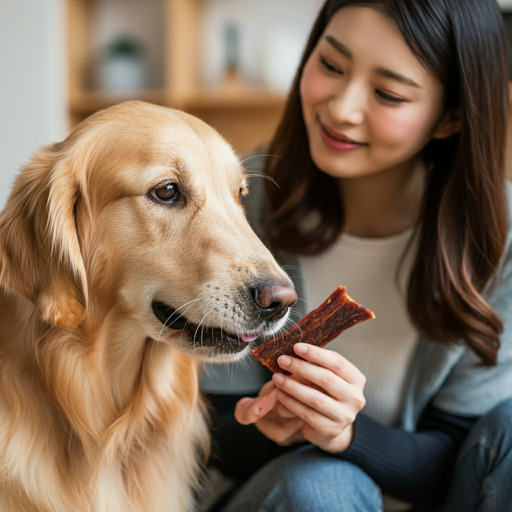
245,115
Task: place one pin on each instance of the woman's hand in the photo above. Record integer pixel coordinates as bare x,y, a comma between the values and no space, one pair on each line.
270,417
317,402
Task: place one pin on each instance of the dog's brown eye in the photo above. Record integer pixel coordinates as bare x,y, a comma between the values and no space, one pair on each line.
243,189
167,192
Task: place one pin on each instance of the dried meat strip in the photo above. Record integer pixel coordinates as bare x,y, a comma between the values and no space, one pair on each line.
319,327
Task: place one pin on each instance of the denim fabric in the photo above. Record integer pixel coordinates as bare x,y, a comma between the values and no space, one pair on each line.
482,481
307,480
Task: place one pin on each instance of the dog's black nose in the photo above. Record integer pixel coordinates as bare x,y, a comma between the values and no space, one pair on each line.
274,300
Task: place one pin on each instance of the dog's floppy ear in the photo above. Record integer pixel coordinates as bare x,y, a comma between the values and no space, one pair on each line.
40,255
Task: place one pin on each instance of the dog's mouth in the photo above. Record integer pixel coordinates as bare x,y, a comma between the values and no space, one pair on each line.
221,340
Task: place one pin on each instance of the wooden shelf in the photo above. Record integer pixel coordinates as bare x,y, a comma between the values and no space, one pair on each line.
87,102
244,97
246,115
239,96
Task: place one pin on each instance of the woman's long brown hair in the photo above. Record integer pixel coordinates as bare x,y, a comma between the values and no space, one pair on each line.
464,217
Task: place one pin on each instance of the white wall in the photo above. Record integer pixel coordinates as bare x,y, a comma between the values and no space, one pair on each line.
32,82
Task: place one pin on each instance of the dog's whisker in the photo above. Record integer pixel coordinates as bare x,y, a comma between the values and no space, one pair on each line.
255,174
181,311
259,155
201,327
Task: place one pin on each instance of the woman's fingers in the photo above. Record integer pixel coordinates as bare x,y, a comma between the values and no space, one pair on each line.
327,421
310,403
322,385
326,370
328,359
317,399
250,410
272,418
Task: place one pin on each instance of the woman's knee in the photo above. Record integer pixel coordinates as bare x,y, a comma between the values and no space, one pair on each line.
482,473
500,417
309,480
495,428
311,474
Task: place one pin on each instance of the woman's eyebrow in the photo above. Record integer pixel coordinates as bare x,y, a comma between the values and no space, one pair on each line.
339,46
386,73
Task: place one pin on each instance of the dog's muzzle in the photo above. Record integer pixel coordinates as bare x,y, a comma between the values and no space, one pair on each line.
270,304
202,335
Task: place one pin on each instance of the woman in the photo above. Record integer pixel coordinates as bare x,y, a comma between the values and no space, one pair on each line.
389,165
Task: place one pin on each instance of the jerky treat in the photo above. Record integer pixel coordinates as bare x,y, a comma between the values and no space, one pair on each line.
335,315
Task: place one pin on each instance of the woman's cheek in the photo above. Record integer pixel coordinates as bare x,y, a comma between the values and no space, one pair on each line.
408,129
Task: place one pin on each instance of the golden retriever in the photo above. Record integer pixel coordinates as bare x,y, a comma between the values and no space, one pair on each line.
125,260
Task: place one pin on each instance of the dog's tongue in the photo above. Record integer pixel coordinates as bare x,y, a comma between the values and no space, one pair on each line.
248,337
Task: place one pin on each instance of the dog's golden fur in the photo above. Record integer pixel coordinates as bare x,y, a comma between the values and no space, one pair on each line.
99,402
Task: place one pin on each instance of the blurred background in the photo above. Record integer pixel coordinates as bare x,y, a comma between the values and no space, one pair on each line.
230,62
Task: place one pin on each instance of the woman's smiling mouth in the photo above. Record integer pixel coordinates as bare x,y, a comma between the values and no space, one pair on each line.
338,141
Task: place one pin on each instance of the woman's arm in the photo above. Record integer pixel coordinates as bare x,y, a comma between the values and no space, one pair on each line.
238,450
415,467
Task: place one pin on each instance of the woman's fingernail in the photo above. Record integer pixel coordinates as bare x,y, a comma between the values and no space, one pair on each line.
284,361
300,348
278,378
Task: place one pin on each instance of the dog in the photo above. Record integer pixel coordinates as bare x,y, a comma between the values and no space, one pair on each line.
126,261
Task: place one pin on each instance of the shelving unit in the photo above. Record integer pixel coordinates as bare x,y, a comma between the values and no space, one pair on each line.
246,115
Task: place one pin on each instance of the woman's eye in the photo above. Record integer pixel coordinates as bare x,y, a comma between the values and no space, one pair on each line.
390,98
167,192
329,67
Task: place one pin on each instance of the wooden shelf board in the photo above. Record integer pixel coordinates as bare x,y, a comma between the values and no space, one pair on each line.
240,97
85,102
233,97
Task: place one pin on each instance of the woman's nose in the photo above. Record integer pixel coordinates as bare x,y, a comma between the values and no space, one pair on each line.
347,105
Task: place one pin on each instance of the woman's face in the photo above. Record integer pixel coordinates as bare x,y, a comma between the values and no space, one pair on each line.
368,103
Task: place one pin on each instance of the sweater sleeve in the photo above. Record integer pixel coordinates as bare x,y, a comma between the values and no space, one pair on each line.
412,466
238,450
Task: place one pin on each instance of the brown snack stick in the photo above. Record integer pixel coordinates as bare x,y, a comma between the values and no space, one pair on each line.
319,327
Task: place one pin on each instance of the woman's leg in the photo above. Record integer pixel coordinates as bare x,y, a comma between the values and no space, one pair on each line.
483,473
307,480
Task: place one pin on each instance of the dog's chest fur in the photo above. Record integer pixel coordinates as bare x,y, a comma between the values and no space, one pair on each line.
101,455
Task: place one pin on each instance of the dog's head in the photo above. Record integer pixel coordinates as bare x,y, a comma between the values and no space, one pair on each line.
137,214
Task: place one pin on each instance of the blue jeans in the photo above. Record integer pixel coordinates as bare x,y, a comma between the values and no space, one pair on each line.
482,481
305,480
